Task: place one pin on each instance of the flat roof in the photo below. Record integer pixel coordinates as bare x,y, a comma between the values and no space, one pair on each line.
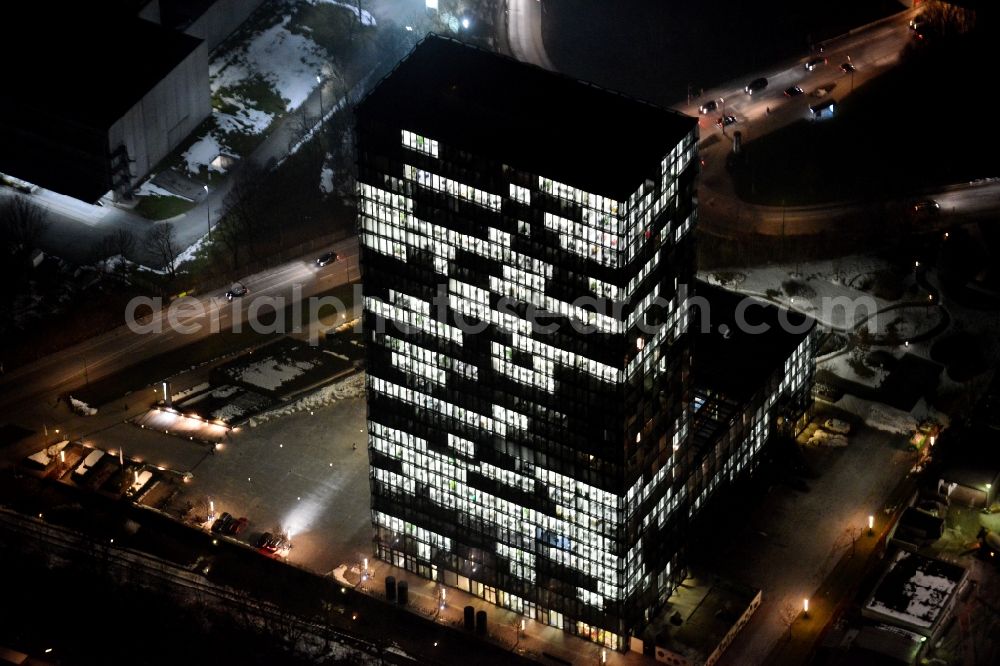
915,590
737,363
86,65
708,609
532,119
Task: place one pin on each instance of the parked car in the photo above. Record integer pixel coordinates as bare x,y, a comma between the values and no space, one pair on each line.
221,524
794,91
238,290
847,67
813,63
725,121
708,107
326,258
236,527
756,86
272,544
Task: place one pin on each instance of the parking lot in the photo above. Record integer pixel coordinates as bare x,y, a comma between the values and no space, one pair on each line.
297,474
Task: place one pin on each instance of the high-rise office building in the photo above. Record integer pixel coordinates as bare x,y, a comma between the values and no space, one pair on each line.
526,249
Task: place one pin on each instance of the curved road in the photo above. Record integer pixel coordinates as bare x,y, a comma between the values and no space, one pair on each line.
871,49
524,32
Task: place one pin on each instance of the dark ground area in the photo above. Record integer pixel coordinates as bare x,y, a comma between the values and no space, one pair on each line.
654,49
895,136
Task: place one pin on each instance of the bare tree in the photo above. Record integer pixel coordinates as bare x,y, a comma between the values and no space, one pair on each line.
341,151
162,244
787,616
120,244
22,223
243,220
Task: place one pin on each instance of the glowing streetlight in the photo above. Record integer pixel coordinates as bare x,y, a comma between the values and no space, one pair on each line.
805,607
208,211
871,524
465,23
319,82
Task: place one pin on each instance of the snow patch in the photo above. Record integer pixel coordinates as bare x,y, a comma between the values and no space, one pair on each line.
202,152
365,16
270,374
288,61
81,408
150,189
326,180
352,387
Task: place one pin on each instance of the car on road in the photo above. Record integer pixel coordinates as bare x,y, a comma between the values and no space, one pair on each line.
928,206
725,121
813,63
326,258
708,107
847,67
756,85
823,110
238,290
794,91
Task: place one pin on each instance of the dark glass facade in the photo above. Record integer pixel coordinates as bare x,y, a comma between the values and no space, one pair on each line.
529,354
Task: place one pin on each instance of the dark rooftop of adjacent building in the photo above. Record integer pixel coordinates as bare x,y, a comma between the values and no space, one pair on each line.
87,64
699,614
532,119
737,363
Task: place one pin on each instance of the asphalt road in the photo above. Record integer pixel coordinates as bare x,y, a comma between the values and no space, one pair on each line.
871,49
524,32
122,347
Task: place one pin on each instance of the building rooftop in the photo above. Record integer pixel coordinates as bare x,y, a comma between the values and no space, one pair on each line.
87,65
914,592
734,361
527,117
700,614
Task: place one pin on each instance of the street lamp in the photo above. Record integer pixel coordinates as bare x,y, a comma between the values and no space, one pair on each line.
805,607
871,525
319,80
208,212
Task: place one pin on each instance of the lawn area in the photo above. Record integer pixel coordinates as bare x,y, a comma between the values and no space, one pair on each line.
157,207
900,133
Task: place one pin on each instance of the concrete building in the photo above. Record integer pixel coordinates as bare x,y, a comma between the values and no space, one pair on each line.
916,594
528,256
125,93
209,20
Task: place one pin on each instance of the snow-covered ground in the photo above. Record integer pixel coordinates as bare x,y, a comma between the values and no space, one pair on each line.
326,180
841,366
149,189
366,16
352,387
286,61
833,299
271,373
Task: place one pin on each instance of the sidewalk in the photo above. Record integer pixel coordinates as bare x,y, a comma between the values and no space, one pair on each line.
839,588
538,641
